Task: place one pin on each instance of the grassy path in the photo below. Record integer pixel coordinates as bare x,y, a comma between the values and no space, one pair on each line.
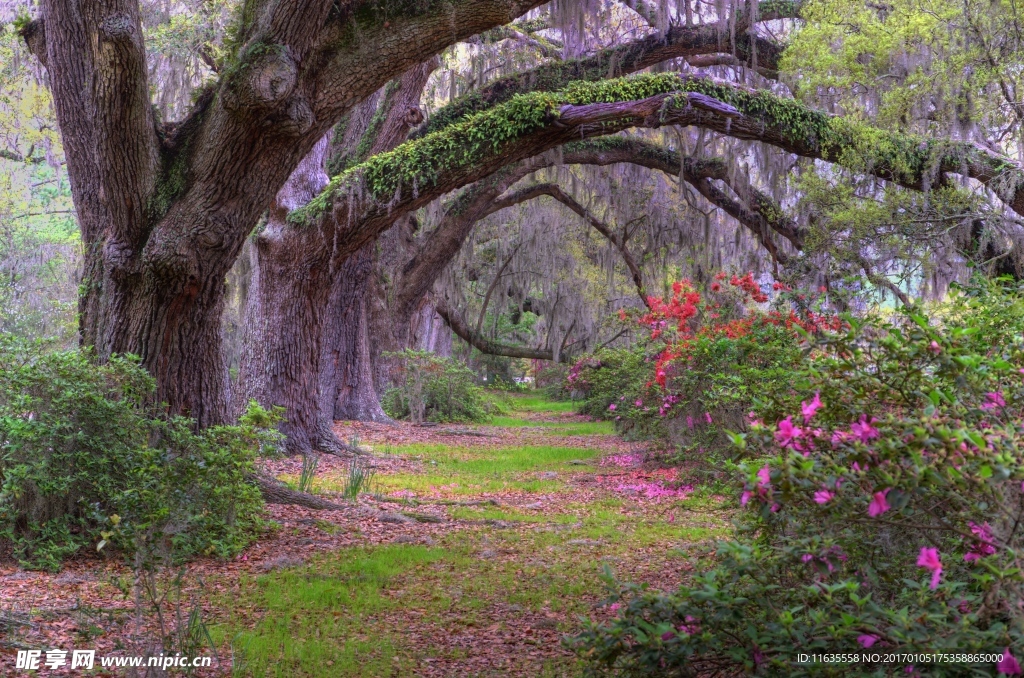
491,590
528,509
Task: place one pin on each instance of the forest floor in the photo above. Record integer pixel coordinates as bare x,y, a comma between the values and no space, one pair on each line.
531,507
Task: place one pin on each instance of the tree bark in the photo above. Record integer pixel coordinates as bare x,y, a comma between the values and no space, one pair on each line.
308,343
346,375
288,296
164,212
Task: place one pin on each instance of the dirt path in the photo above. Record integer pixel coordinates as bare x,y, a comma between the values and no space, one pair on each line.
529,510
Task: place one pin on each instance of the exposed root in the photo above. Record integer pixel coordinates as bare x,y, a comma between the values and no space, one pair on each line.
466,432
276,492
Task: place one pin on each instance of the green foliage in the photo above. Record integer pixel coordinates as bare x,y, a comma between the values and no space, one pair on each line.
310,462
432,388
86,462
360,477
930,65
916,445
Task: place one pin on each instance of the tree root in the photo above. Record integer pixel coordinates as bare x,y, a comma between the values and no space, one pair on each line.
466,432
276,492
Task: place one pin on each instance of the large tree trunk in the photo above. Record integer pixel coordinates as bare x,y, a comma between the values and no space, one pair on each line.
163,214
346,374
288,296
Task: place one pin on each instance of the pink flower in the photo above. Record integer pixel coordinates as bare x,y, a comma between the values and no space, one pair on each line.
764,475
879,504
614,607
867,640
929,559
787,432
621,398
1008,664
639,403
612,407
668,635
823,496
993,400
689,421
745,497
707,417
983,546
808,409
934,348
690,627
864,429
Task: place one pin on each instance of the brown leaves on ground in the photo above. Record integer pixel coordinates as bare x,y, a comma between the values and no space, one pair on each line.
89,605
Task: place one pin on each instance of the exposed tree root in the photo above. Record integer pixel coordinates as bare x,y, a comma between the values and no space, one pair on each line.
276,492
466,432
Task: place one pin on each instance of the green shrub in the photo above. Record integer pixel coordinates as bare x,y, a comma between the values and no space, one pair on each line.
883,511
86,462
432,388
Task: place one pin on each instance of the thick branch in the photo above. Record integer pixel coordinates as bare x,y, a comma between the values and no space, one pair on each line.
14,156
367,199
677,41
486,346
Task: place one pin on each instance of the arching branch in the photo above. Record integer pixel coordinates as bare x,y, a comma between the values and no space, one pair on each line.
484,345
677,41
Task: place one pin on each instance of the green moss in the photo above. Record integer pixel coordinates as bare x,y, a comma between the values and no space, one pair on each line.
420,162
416,164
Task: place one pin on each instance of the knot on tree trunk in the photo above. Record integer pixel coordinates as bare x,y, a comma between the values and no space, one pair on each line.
295,118
265,77
413,116
117,28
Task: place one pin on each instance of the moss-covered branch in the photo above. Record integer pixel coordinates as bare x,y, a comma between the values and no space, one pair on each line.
367,198
674,42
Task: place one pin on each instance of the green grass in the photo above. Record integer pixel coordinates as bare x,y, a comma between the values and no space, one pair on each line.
474,471
538,403
317,613
575,428
375,611
345,613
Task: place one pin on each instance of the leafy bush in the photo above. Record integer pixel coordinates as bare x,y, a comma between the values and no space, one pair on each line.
883,511
85,461
432,388
706,360
551,379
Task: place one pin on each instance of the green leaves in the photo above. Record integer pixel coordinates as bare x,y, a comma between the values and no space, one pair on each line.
88,461
811,566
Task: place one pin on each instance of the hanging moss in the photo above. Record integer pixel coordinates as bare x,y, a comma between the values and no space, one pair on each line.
420,162
909,160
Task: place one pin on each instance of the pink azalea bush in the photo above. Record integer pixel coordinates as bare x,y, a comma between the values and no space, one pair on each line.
881,503
701,358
